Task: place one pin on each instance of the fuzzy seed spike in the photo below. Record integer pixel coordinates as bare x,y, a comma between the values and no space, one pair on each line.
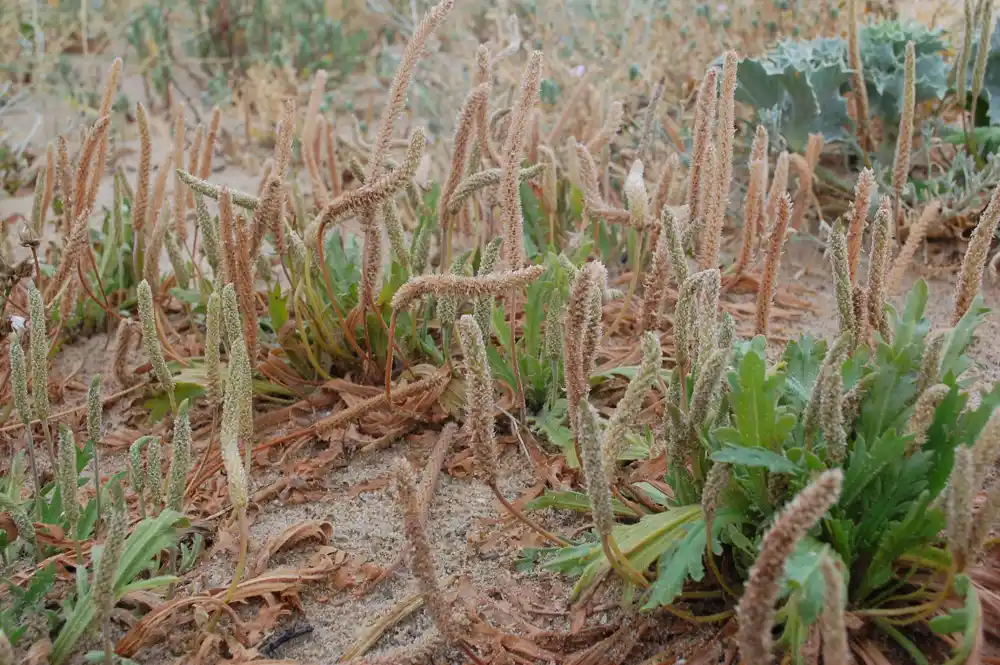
180,192
463,136
923,414
879,268
753,212
630,404
137,473
111,554
836,650
151,341
668,178
655,285
775,244
713,492
916,236
421,556
39,352
487,178
831,414
154,473
963,56
858,85
705,107
397,92
143,174
706,392
67,476
25,526
970,278
756,608
985,17
123,345
479,400
509,195
19,380
778,188
842,277
904,141
482,308
239,380
723,171
210,233
180,461
959,506
465,287
448,305
635,193
213,338
95,407
592,454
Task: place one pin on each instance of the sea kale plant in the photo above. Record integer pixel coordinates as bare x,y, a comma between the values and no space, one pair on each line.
805,80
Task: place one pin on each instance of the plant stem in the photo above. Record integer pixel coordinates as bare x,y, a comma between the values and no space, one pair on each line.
620,563
97,487
241,563
30,445
524,519
48,442
109,650
204,456
514,303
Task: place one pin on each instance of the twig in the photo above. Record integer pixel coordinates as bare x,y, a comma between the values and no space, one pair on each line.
75,409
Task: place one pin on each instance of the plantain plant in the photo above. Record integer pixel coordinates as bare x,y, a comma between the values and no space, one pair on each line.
892,417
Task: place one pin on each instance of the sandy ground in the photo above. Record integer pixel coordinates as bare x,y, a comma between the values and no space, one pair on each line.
472,537
470,533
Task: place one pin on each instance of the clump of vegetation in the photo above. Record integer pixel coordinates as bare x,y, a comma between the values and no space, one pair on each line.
803,494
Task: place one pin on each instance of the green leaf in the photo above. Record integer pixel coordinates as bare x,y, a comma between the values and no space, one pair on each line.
159,404
684,560
953,361
971,617
576,501
642,542
278,308
803,359
754,399
943,436
803,577
755,458
150,537
865,466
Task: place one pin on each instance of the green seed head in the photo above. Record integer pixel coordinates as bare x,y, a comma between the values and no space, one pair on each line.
151,340
180,463
39,353
67,477
213,337
111,554
25,527
154,472
479,400
234,406
19,377
137,470
94,409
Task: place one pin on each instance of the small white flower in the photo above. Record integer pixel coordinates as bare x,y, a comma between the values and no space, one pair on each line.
578,71
18,323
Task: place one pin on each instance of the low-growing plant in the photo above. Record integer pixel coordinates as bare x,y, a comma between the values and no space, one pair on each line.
805,81
740,449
